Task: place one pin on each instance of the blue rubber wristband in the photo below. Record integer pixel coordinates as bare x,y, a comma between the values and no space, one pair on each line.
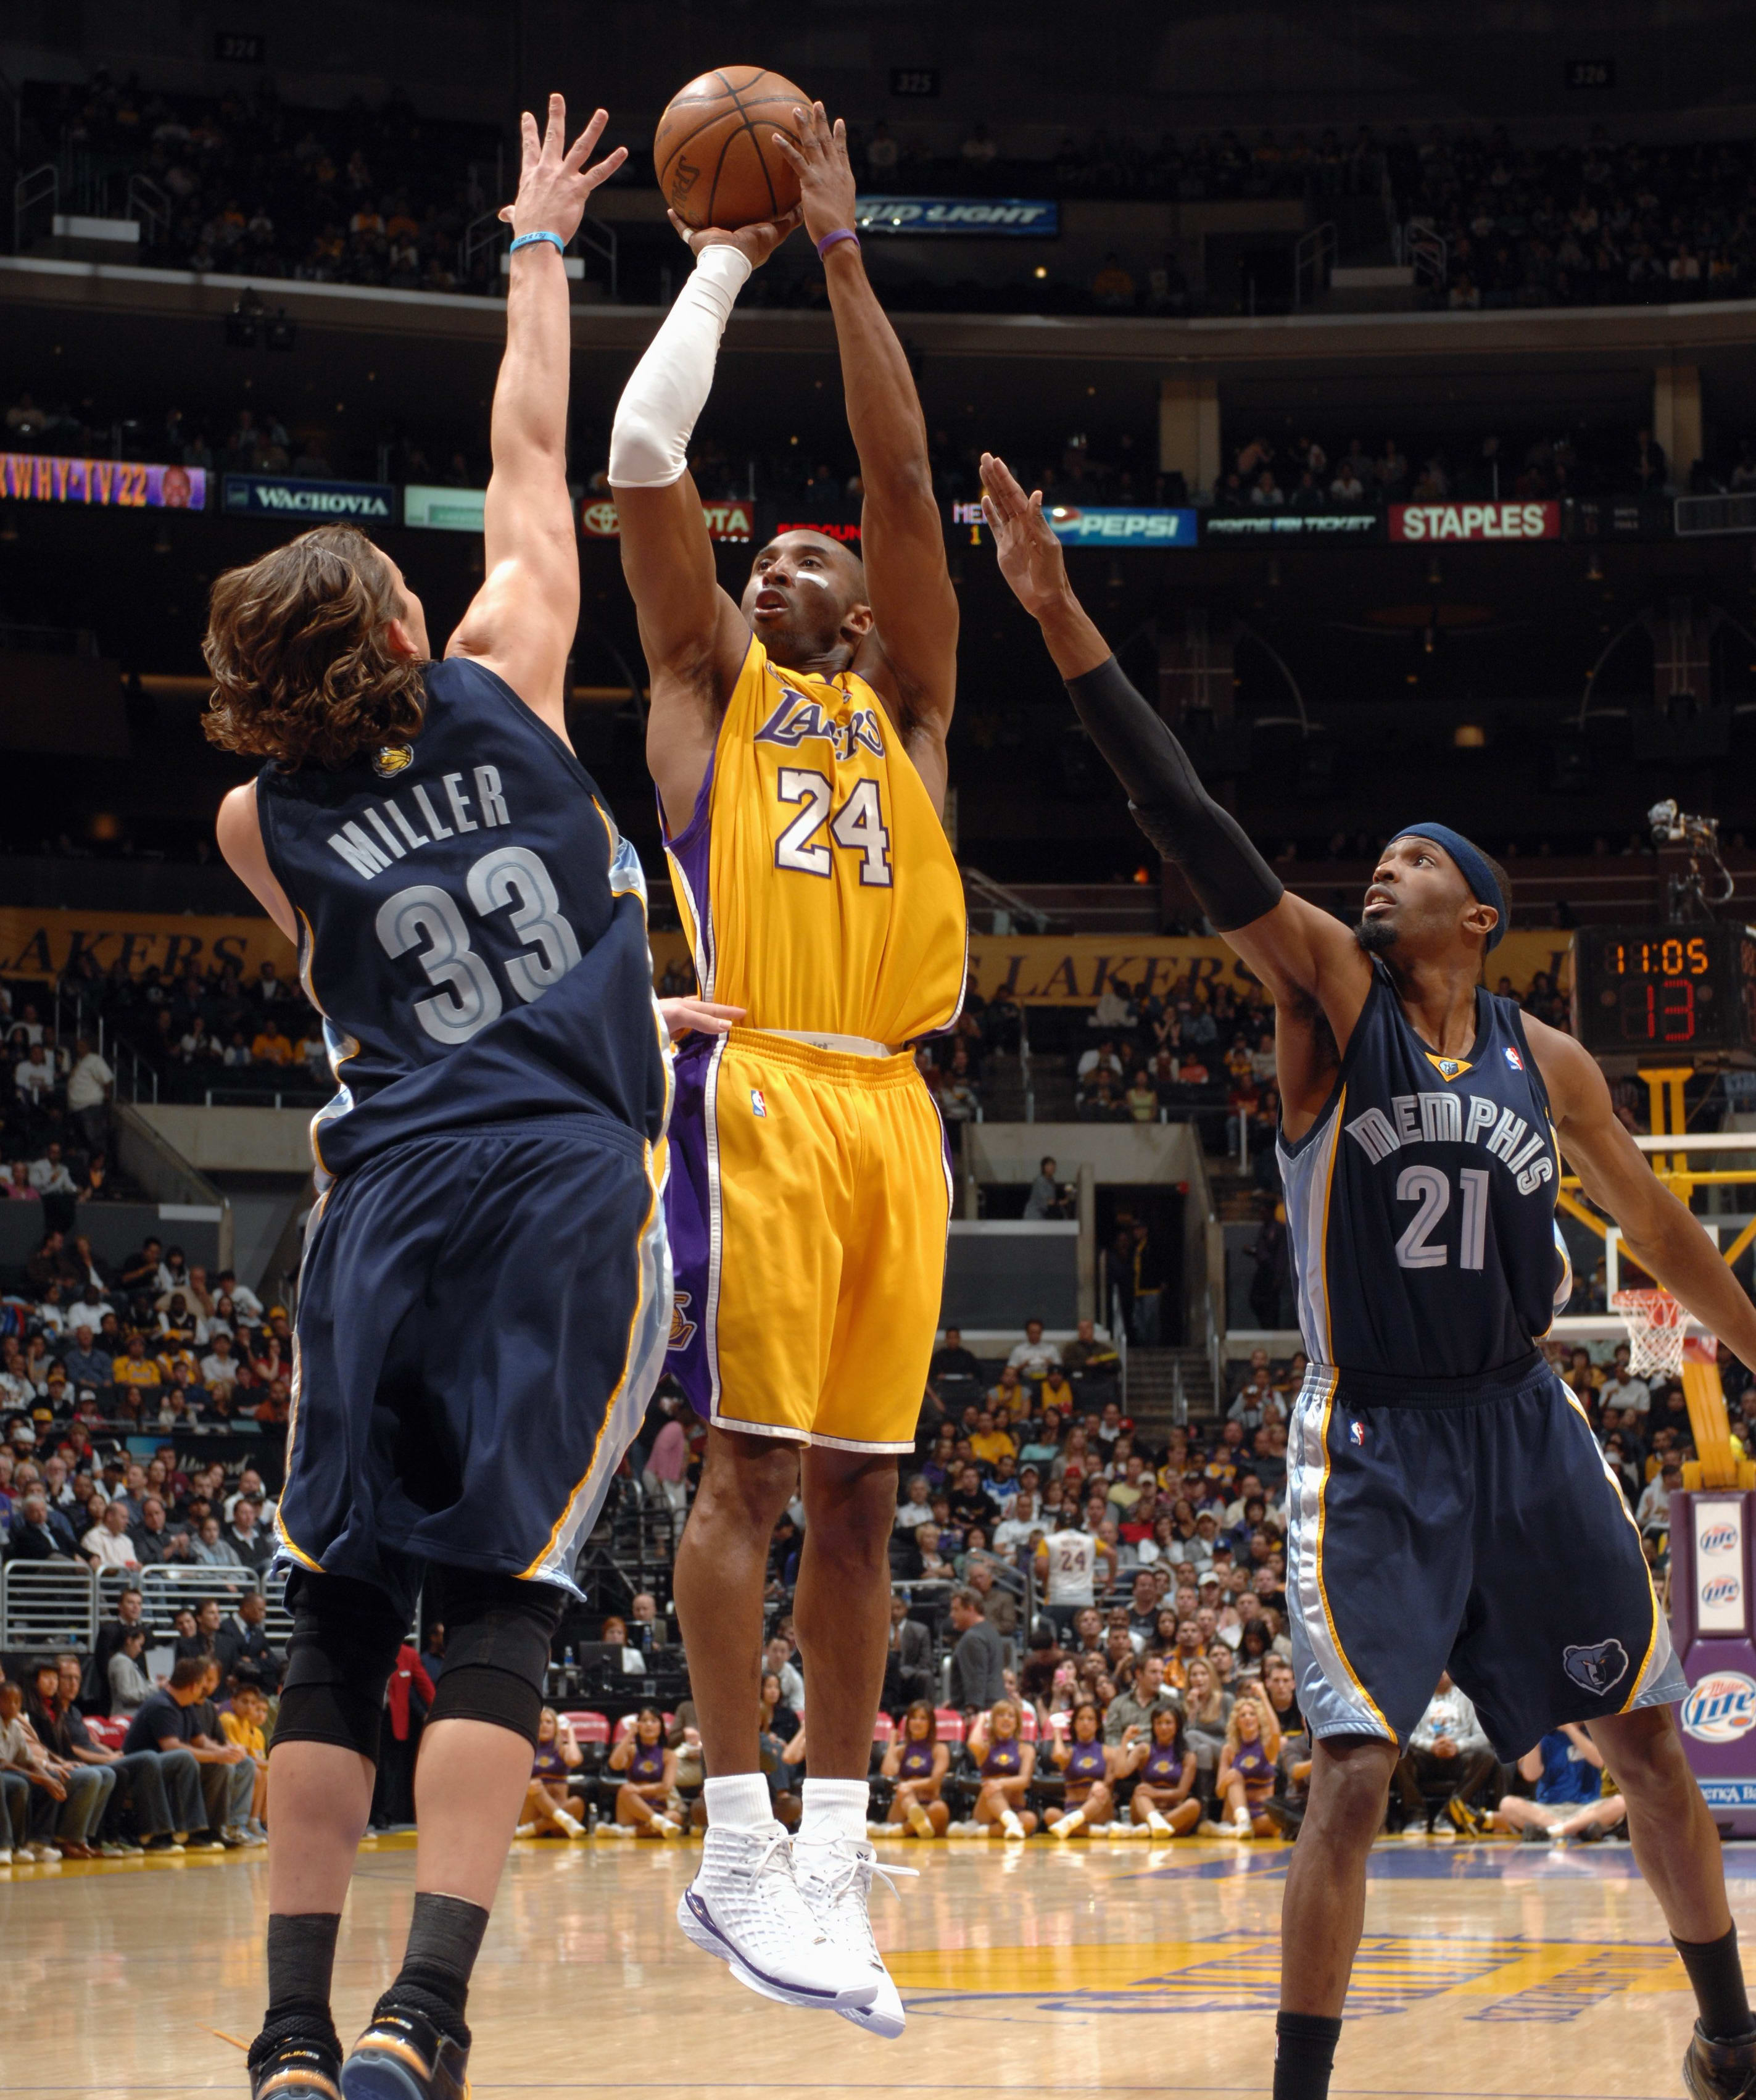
525,239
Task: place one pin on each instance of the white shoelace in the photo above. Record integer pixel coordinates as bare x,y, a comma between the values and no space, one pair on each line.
852,1873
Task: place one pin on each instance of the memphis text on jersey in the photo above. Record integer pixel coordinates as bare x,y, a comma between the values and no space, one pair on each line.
1441,1118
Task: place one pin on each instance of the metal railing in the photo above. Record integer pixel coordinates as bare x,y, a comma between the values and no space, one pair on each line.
1420,247
148,203
48,1605
1314,256
1010,911
601,240
40,186
1119,1331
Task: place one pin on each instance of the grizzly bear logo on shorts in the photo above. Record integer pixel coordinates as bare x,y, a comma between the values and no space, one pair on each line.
1598,1669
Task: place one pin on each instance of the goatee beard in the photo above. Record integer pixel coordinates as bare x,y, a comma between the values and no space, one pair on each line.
1377,936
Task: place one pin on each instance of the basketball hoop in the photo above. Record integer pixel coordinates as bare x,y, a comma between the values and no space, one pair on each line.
1658,1326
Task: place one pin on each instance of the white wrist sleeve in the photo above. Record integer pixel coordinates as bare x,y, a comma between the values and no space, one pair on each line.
649,441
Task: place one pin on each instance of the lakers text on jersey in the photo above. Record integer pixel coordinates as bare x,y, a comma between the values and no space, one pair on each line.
810,1191
485,1292
1448,1507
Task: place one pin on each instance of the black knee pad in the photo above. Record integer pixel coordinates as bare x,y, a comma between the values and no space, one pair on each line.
498,1631
346,1635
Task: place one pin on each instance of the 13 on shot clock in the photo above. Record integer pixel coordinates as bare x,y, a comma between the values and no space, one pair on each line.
1689,988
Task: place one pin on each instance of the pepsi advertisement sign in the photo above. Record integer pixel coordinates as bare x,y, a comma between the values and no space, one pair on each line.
1076,526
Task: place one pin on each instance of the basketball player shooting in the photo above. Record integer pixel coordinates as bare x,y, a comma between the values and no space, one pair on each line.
485,1292
797,742
1448,1507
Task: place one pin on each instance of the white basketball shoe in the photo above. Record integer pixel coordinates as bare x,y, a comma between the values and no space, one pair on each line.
835,1877
744,1907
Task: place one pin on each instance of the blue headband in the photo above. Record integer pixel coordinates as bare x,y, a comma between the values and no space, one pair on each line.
1472,864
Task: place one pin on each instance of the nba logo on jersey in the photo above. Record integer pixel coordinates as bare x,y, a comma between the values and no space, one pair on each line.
1356,1430
1513,1059
758,1106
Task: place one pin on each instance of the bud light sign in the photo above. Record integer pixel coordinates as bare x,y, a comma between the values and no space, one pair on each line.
1721,1709
1719,1586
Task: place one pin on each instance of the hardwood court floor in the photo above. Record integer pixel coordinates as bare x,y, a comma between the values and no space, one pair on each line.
1101,1967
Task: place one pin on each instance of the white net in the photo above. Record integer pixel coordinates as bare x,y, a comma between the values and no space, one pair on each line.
1658,1325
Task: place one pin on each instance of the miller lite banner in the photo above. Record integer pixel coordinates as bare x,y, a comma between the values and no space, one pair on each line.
725,521
1431,522
1720,1605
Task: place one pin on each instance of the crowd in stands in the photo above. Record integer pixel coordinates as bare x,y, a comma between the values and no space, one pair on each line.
152,1346
255,187
1605,224
201,1028
1090,1622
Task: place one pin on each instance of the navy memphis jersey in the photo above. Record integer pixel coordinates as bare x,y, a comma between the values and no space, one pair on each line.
1421,1204
472,929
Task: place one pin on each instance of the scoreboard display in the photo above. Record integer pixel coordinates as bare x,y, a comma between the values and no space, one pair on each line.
1690,988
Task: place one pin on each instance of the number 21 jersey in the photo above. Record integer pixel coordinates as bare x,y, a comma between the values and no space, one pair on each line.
472,929
814,877
1421,1206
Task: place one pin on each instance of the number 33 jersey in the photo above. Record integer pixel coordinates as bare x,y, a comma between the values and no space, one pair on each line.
1421,1206
816,883
472,929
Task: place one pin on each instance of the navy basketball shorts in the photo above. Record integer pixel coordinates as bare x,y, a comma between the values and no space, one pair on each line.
1467,1525
481,1320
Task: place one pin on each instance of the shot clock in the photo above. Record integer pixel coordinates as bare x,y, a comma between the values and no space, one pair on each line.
1688,988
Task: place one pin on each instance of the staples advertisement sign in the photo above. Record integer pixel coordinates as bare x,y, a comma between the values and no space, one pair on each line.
1720,1606
1430,522
724,521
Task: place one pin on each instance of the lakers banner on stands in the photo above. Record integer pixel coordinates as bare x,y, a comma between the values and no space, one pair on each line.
117,484
43,944
1074,969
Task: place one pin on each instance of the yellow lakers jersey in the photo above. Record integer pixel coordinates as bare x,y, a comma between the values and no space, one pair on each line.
815,878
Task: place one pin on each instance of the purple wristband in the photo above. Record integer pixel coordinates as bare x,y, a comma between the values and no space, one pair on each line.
829,240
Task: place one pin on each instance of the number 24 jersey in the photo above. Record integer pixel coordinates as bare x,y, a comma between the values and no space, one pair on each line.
814,877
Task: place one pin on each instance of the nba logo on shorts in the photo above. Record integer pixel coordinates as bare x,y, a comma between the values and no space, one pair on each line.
1356,1430
758,1106
1513,1059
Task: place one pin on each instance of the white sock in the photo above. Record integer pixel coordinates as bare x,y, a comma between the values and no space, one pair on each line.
738,1803
832,1808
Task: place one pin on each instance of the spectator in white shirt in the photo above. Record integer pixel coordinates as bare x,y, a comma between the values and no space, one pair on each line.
33,1075
1449,1743
107,1544
1622,1389
246,1307
1104,1055
916,1509
1654,1506
89,1313
1033,1356
88,1095
219,1366
49,1175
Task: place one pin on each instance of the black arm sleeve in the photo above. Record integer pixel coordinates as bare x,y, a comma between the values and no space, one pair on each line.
1232,882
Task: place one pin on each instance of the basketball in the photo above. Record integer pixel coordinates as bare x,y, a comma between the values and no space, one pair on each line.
714,151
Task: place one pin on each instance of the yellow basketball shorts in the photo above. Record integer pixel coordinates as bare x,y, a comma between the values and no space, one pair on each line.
809,1199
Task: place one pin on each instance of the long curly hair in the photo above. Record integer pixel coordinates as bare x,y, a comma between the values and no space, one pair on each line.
303,671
